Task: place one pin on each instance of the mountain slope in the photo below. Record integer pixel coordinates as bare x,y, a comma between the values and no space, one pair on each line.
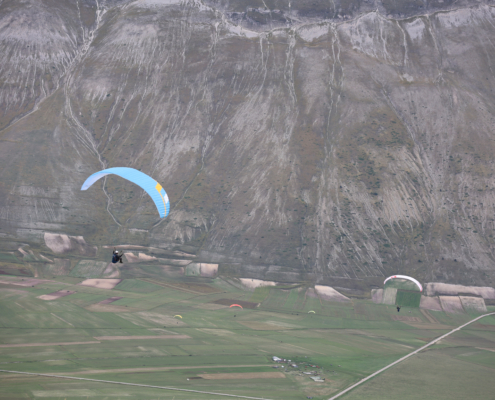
314,149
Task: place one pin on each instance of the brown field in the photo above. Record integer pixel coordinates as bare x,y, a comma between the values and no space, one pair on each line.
56,295
435,288
101,283
217,332
423,325
228,302
261,326
110,308
142,337
210,306
405,318
244,375
476,304
46,344
109,300
451,304
430,303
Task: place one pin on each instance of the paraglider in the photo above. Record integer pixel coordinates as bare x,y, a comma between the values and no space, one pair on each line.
117,257
236,305
405,277
150,186
311,312
180,316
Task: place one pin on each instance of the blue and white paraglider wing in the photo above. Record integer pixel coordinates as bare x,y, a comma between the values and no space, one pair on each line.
148,184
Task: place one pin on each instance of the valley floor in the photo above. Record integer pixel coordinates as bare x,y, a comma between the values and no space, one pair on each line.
128,333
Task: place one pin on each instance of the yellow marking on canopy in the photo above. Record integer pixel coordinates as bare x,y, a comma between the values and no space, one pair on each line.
158,187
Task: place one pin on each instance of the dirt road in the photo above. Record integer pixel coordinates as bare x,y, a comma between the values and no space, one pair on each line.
406,357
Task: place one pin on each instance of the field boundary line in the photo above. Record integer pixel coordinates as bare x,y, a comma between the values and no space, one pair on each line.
407,356
134,384
155,369
7,345
429,317
147,280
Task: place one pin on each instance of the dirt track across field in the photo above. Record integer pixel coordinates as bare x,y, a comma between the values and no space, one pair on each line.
154,369
481,348
244,375
424,325
46,344
142,337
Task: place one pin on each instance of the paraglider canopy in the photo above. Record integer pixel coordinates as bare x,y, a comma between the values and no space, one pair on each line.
236,305
311,312
404,277
180,316
150,186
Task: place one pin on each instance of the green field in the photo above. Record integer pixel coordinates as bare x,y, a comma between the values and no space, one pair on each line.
136,339
440,374
260,294
137,285
408,298
88,269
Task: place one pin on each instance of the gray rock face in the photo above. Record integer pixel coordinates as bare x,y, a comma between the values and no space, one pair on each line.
337,144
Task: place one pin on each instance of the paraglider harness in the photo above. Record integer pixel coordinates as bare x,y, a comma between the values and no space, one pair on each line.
117,257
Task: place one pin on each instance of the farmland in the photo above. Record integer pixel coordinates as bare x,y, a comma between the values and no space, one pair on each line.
126,332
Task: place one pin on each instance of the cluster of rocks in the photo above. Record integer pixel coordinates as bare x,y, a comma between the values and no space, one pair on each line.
314,375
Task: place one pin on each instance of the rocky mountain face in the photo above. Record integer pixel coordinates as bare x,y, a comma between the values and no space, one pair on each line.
328,142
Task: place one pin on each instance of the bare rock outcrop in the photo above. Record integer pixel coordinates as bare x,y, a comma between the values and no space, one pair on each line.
434,288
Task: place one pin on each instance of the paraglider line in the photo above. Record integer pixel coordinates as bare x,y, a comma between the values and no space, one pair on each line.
109,201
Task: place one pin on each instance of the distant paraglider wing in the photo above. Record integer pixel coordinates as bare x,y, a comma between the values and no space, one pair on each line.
180,316
311,312
404,277
236,305
150,186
